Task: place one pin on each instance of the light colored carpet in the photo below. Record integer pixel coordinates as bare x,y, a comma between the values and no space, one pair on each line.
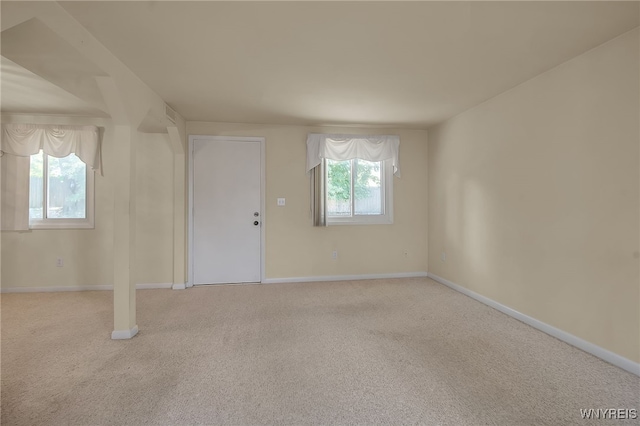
407,351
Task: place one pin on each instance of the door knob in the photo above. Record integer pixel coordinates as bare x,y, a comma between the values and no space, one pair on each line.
256,223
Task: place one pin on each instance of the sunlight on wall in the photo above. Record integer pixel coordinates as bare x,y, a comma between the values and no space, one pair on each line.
476,225
537,197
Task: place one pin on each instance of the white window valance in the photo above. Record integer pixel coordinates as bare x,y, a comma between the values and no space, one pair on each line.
347,147
24,140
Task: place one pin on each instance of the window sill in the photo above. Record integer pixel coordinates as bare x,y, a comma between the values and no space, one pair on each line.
375,220
63,224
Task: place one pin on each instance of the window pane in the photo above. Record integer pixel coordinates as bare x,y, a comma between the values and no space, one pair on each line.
338,188
36,186
367,187
66,185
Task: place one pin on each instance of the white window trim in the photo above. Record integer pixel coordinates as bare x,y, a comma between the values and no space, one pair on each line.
70,223
387,196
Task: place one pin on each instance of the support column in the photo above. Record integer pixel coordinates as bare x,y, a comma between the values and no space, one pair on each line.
179,208
179,252
124,234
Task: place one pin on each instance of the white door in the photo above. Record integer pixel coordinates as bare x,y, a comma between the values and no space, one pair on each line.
226,210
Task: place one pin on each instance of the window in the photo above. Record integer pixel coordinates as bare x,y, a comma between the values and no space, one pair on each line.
359,192
60,192
351,178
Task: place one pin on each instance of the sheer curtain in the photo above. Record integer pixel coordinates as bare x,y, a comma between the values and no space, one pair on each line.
15,193
342,147
19,142
348,147
24,140
318,196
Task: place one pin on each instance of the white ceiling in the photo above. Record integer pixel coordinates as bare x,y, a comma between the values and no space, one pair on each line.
409,64
27,93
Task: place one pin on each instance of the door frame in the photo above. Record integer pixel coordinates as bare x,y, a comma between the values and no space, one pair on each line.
210,138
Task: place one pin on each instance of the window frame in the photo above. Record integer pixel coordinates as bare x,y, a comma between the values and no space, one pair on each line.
66,223
386,195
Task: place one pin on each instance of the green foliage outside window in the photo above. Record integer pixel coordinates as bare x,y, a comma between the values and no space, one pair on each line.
339,179
66,182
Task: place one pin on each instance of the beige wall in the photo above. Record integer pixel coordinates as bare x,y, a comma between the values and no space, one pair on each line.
294,248
534,197
29,258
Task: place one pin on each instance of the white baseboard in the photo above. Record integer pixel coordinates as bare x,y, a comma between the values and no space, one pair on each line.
604,354
78,288
152,286
343,277
178,286
124,334
55,289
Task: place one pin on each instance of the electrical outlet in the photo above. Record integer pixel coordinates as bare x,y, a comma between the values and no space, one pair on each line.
59,263
443,256
334,255
281,201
